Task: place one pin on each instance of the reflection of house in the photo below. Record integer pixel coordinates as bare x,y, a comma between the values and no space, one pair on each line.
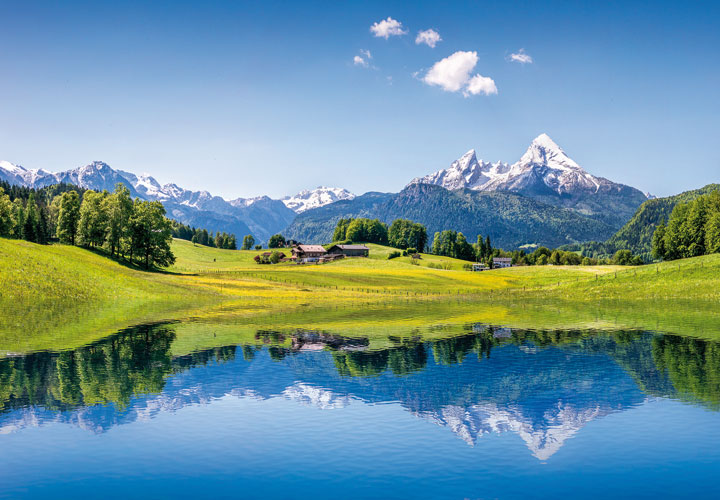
349,250
500,262
308,253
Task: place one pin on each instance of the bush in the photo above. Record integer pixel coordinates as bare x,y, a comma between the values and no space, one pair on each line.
412,251
393,255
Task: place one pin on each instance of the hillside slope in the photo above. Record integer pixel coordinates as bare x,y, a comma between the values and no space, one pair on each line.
511,220
636,235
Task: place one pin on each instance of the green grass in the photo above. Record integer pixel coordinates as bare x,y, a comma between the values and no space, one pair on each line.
60,297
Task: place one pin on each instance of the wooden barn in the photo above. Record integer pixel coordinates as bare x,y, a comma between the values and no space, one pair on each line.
349,250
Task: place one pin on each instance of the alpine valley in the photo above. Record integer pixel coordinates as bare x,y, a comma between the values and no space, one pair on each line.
545,198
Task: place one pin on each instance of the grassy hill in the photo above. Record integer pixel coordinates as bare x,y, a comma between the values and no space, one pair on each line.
511,220
58,296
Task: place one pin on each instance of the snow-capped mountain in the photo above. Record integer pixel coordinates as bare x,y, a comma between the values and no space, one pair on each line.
314,198
544,161
543,437
545,172
261,216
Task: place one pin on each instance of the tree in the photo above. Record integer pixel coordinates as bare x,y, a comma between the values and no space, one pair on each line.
68,217
712,233
18,216
118,208
480,252
341,230
93,223
232,242
463,249
694,227
453,244
31,225
624,258
405,234
151,234
6,212
248,242
277,241
658,242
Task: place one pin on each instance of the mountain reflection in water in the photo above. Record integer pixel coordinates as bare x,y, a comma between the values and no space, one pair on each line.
544,386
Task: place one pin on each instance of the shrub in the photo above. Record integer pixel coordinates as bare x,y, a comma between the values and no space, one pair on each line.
393,255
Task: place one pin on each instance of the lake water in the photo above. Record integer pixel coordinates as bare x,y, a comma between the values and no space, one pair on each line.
477,411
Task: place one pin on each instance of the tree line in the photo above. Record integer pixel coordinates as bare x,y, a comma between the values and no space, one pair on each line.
203,237
402,233
693,229
134,230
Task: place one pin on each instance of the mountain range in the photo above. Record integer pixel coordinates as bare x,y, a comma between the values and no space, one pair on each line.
544,173
260,216
545,198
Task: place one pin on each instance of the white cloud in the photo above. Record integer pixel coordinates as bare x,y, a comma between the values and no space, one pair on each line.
363,59
452,74
521,57
359,61
387,28
429,37
479,84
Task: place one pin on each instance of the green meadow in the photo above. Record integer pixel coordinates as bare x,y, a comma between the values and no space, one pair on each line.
61,297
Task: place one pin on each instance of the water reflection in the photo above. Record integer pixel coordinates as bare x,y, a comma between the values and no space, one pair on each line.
544,386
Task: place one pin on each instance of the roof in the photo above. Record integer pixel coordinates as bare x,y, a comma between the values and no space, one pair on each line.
311,248
350,247
502,259
353,247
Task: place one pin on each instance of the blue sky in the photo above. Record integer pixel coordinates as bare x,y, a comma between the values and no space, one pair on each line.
249,98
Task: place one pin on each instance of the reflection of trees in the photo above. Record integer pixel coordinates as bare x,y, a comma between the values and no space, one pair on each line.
401,360
693,366
139,360
136,361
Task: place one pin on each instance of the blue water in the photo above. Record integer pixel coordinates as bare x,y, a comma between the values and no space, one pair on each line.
494,413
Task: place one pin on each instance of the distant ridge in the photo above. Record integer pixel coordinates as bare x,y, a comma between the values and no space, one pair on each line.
260,216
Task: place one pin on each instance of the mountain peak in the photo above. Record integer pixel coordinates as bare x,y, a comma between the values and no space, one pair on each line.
544,141
543,151
318,197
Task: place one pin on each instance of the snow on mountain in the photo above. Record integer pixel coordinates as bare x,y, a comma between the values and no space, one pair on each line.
261,215
314,198
543,167
466,171
543,438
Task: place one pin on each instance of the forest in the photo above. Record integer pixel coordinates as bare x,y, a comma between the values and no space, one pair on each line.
136,231
693,229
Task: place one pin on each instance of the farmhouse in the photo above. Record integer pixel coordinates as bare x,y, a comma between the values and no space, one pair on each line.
500,262
308,253
480,267
349,250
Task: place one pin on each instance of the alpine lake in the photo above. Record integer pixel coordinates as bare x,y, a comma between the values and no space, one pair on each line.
455,399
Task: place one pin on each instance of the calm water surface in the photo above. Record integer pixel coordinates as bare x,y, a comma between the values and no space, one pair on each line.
490,413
